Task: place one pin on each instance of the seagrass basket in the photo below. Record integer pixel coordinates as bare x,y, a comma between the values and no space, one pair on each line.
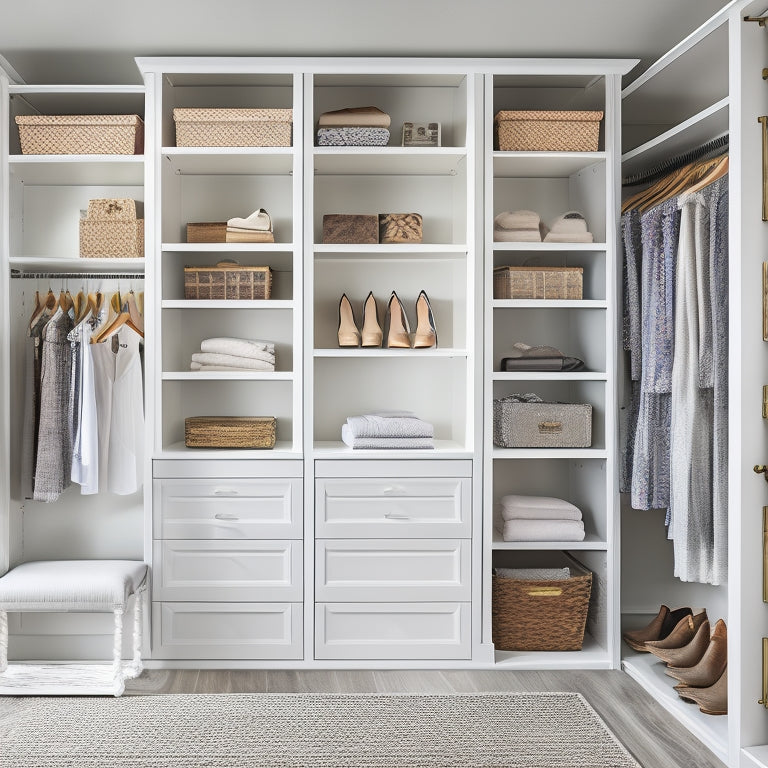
227,280
81,134
233,127
538,282
541,615
547,131
230,431
111,230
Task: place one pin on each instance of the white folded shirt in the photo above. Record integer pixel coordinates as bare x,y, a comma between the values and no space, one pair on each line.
515,507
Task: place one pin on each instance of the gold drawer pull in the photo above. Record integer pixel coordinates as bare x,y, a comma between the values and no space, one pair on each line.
545,592
550,427
225,516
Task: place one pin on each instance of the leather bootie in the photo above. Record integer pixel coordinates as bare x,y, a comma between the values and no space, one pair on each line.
681,635
659,628
712,700
688,655
711,665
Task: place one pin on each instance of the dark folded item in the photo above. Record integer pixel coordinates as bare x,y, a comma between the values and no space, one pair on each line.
561,363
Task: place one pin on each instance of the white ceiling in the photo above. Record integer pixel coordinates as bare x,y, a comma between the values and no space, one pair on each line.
90,41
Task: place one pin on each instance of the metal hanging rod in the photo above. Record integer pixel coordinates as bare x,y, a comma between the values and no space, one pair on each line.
23,273
761,20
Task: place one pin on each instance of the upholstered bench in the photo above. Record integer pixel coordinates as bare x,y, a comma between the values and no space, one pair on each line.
72,585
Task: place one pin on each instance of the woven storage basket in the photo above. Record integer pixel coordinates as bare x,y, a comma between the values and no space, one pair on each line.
207,232
541,615
233,127
227,280
541,425
230,431
81,134
538,282
547,131
111,230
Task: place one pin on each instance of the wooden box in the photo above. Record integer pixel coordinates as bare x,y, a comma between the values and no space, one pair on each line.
538,282
230,431
227,280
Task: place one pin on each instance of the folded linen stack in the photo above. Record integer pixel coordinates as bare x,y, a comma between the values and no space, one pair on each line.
388,429
256,228
540,518
570,227
518,227
353,127
228,354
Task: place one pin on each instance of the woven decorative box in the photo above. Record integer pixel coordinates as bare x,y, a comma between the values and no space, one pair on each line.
230,431
400,228
81,134
547,131
227,280
541,615
538,282
233,127
207,232
111,230
350,228
541,425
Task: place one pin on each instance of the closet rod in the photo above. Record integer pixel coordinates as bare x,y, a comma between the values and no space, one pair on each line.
672,164
23,273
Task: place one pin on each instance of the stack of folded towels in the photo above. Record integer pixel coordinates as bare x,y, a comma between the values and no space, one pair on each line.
256,228
527,227
540,518
534,574
228,354
388,429
353,127
570,227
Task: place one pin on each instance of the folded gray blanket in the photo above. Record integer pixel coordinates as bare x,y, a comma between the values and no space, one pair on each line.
384,442
534,574
375,425
543,530
352,137
225,345
538,508
246,363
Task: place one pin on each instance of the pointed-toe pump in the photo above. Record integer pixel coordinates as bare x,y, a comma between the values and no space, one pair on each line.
426,333
711,665
372,334
398,332
712,700
349,336
659,628
688,655
681,635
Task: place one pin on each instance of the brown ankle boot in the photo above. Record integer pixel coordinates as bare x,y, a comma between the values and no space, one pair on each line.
681,635
688,655
712,663
658,629
712,700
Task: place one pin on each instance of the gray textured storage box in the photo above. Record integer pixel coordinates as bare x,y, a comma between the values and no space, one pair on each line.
541,425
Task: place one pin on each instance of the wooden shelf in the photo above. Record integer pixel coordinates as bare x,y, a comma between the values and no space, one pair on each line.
549,304
591,542
227,376
388,161
591,656
379,352
549,453
549,376
283,450
496,246
101,170
226,247
363,250
229,161
543,165
444,449
227,304
54,264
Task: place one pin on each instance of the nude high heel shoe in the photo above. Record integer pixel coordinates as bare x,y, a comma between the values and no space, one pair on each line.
711,665
396,325
688,655
372,335
426,334
349,336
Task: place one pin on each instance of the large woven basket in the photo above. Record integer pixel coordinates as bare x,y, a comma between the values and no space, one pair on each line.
227,280
233,127
230,431
81,134
541,615
111,230
548,131
538,282
541,425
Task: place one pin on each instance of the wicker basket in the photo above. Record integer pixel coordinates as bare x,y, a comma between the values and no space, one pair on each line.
538,282
545,131
227,280
541,615
230,431
111,230
207,232
81,134
541,425
233,127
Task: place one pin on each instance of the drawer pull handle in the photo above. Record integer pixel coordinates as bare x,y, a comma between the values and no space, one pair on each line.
225,516
545,592
395,516
550,427
390,489
225,492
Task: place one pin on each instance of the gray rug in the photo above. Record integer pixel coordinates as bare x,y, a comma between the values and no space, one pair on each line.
529,730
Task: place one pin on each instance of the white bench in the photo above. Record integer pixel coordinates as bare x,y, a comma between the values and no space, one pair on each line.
72,585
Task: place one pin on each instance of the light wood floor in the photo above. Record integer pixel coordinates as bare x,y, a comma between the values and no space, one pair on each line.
653,736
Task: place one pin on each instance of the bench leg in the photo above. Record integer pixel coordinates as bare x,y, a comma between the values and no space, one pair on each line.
3,641
117,649
138,632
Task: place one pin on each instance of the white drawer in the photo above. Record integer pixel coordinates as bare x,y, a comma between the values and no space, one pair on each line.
221,631
393,570
431,507
227,570
237,508
392,631
193,467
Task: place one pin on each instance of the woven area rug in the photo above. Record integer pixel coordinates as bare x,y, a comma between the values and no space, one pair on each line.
529,730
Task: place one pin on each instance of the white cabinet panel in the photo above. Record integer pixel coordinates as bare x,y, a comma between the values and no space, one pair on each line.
227,570
227,631
228,509
234,468
393,570
392,631
393,507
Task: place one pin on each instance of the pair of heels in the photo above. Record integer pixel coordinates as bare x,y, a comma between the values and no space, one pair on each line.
694,657
397,330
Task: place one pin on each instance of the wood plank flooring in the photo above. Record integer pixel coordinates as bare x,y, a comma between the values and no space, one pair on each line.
655,738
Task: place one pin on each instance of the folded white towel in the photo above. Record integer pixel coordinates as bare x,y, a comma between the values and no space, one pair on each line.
516,236
238,347
246,363
543,530
517,220
259,220
572,222
566,237
204,368
538,508
534,574
384,442
390,426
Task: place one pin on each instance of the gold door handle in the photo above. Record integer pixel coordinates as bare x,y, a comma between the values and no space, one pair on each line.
761,469
764,700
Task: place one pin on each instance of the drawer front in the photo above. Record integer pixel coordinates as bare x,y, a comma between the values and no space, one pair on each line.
235,468
228,509
227,570
434,507
392,570
220,631
392,631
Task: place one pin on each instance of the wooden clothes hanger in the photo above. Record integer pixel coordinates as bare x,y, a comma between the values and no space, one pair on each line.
719,170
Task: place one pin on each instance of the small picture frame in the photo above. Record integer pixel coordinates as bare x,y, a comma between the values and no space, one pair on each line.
421,135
